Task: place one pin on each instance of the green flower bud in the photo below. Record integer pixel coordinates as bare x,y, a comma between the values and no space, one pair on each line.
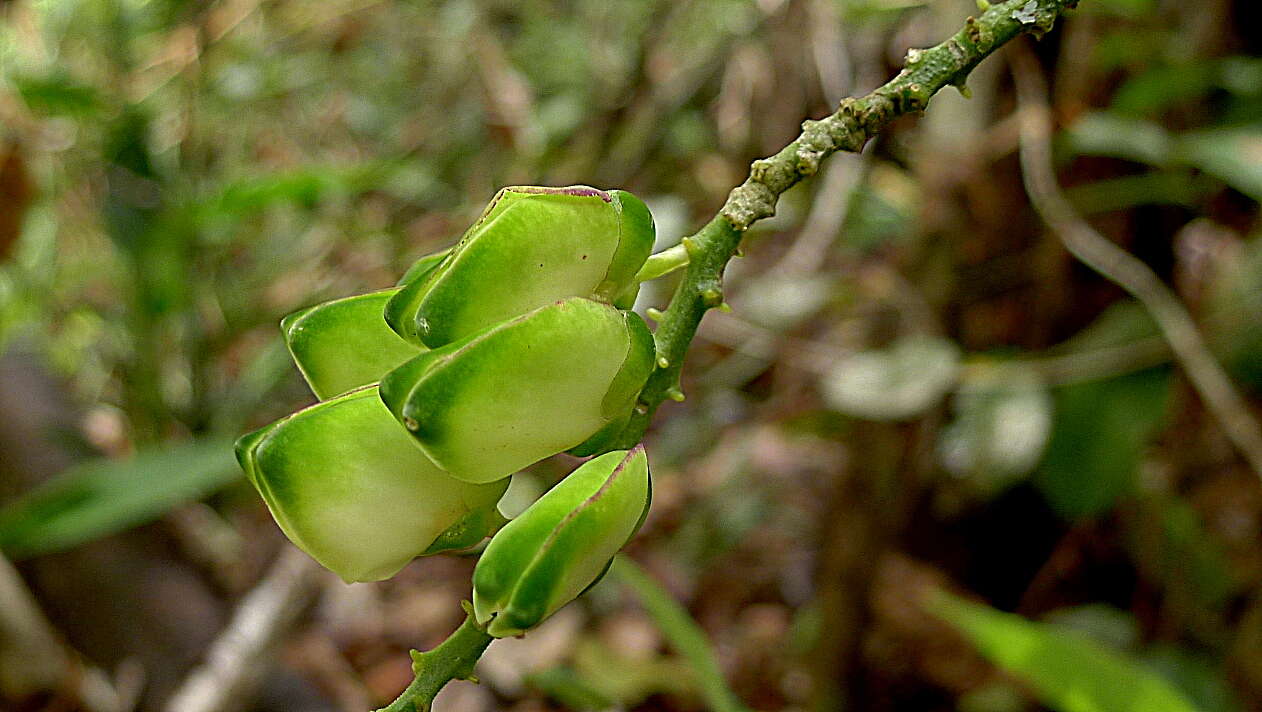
349,487
345,344
484,407
531,247
561,544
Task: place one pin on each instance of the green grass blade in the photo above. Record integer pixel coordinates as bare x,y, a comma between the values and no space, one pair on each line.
1067,672
104,496
682,631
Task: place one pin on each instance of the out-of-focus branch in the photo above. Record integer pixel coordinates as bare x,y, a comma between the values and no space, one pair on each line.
237,660
1123,269
32,659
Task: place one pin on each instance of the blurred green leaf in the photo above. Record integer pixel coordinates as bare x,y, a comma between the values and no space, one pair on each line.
1150,188
859,10
1242,75
738,502
104,496
1100,428
882,210
1099,433
1196,675
1233,155
1235,300
249,194
1111,627
1067,672
302,186
57,95
627,679
1124,322
1163,86
1169,543
1104,133
895,383
1200,678
1123,8
234,406
781,301
997,696
1003,417
566,687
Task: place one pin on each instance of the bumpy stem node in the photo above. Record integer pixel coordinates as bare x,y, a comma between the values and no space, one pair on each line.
453,659
848,129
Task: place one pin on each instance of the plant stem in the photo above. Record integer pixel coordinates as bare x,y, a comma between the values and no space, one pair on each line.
707,252
848,129
663,263
453,659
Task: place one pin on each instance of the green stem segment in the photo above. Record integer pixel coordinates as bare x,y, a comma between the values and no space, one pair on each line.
848,129
453,659
700,290
663,263
707,252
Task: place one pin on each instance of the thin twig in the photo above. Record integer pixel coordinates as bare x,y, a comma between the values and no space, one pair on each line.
237,660
1123,269
1053,368
453,659
848,129
32,658
1062,369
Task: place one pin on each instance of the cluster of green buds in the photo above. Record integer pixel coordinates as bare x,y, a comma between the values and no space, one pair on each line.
513,345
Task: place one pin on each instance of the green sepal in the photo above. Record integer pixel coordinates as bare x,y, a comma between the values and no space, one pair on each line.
469,531
344,344
624,389
635,370
422,267
626,300
399,311
349,487
561,544
531,247
603,439
493,403
636,235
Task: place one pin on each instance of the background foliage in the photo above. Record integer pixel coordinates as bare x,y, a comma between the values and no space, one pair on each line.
917,389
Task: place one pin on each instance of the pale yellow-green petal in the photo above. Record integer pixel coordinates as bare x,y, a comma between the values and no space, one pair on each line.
531,247
345,343
346,483
527,388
